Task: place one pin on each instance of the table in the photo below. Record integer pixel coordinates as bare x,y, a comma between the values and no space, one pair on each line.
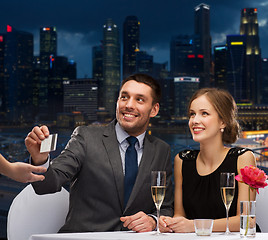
139,236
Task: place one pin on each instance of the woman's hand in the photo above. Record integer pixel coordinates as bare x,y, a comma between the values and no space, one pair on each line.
24,172
178,224
162,224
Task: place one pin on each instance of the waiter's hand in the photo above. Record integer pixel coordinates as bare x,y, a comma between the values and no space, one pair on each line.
24,172
139,222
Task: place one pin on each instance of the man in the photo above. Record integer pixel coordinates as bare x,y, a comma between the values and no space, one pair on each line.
94,163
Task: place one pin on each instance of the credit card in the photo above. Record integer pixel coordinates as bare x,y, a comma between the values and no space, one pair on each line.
49,144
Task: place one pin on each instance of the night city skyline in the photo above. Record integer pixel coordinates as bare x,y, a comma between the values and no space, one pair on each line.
79,25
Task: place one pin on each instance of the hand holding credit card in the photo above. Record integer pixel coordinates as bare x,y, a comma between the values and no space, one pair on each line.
49,144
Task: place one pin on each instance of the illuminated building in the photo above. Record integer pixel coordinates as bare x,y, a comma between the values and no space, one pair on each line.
144,62
111,65
236,70
202,28
160,70
220,68
184,88
18,77
252,117
264,85
71,69
131,43
97,71
185,56
81,95
58,72
166,110
36,84
250,29
2,87
48,49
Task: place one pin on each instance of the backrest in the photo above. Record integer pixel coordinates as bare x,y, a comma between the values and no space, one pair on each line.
262,209
30,213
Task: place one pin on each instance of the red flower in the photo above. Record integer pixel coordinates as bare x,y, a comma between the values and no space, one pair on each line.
252,176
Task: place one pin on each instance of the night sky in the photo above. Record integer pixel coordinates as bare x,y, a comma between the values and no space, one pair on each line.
79,23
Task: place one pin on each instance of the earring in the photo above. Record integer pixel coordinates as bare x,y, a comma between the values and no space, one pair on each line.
222,130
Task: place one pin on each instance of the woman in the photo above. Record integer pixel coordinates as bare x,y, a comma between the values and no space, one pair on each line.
21,172
212,123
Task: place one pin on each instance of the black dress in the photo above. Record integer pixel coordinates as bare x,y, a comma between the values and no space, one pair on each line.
201,194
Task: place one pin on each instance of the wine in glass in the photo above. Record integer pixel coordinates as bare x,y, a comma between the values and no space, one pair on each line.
158,189
227,185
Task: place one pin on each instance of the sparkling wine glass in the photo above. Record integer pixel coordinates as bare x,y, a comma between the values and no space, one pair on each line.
227,185
158,189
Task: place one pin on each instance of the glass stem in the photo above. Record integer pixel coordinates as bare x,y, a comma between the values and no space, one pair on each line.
227,220
157,223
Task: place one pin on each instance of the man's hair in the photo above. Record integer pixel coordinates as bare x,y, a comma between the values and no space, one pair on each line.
148,80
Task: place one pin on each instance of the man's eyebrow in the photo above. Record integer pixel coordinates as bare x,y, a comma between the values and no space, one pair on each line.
137,95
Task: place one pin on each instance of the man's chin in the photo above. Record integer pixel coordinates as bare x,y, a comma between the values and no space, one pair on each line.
128,126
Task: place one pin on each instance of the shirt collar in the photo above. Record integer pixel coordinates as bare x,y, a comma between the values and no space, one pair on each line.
121,135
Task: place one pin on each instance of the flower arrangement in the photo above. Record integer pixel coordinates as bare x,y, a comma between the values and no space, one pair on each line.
255,178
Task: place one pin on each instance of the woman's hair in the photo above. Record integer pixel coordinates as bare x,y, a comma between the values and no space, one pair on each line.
225,106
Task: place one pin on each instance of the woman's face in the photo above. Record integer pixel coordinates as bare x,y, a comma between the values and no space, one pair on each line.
204,121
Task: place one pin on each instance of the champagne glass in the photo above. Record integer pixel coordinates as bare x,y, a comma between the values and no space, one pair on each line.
158,189
227,185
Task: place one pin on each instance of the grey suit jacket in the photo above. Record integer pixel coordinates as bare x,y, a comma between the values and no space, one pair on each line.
92,164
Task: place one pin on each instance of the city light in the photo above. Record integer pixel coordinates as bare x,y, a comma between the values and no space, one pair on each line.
220,48
190,56
9,28
237,43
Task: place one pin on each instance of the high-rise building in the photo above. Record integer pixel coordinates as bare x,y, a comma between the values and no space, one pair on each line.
131,42
264,86
144,62
250,29
111,65
185,56
58,73
71,69
97,71
2,87
18,79
166,110
36,84
80,95
48,49
202,28
220,66
236,71
184,88
160,70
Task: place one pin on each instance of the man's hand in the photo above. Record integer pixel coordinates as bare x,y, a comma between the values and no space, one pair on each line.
139,222
33,143
23,172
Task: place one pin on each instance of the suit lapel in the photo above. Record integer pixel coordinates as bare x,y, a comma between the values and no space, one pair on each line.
111,145
145,164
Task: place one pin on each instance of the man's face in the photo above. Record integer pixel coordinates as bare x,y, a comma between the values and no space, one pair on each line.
135,107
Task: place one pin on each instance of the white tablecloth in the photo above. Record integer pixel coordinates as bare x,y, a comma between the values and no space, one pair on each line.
140,236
